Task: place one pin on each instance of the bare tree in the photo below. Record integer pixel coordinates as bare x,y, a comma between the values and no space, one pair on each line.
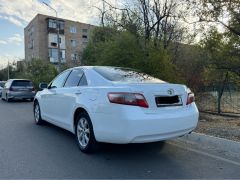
224,12
157,20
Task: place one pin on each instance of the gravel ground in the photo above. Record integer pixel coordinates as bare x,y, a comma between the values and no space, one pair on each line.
219,126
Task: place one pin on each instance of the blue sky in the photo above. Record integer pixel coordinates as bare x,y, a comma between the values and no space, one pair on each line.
16,14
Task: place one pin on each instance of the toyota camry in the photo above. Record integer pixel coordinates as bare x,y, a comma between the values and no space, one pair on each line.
115,105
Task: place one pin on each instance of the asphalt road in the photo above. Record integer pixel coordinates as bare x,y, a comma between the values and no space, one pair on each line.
31,151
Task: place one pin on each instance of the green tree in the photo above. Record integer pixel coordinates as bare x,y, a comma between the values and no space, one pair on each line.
223,63
224,12
122,48
38,71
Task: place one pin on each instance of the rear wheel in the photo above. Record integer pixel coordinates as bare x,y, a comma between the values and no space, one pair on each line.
84,134
37,114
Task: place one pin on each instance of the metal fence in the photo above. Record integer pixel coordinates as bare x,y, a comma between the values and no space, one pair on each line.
208,101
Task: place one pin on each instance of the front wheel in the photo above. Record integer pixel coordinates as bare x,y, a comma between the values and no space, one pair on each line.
37,114
84,134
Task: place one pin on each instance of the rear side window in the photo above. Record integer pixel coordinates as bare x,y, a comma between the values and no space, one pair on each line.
74,78
22,83
83,81
59,80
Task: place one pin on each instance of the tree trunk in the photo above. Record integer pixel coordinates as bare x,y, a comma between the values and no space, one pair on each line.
220,93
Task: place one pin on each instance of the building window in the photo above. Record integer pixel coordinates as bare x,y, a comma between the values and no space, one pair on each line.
84,30
61,25
73,29
53,53
73,43
74,56
84,44
62,54
84,36
31,44
30,31
52,23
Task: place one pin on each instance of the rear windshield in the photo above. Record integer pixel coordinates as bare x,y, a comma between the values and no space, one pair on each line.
23,83
125,75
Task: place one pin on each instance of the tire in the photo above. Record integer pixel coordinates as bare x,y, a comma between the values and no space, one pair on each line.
31,99
37,114
84,134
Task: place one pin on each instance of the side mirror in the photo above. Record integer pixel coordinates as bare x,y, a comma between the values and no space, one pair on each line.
43,86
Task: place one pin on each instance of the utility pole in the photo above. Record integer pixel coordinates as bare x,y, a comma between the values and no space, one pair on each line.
8,71
58,36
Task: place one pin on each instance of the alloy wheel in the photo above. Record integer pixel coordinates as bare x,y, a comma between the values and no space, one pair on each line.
83,132
36,113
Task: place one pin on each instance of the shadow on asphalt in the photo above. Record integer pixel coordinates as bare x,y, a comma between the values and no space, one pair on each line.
16,101
135,149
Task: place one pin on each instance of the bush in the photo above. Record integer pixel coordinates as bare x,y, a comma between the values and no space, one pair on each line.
124,49
37,71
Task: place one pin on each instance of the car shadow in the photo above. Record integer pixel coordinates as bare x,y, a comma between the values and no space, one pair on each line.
17,101
134,149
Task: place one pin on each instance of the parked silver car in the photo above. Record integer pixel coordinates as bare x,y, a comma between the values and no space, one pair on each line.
18,89
1,87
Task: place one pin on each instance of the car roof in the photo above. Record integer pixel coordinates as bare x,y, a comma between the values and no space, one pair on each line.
91,67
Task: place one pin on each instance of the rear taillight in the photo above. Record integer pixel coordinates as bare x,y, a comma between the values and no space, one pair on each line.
134,99
190,98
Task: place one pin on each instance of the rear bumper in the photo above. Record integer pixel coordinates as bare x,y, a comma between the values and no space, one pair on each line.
21,95
138,127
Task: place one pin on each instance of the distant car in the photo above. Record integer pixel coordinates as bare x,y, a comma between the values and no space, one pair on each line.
18,89
1,87
115,105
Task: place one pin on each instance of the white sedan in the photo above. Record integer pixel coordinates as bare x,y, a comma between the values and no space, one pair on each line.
115,105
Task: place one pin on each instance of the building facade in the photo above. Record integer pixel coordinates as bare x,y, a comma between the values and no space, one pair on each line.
40,39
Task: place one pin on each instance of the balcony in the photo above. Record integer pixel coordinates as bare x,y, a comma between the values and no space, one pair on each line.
52,26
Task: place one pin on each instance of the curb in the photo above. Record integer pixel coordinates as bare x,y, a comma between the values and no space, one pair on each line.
211,141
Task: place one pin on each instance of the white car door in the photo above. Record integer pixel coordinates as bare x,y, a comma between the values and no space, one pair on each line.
48,104
66,97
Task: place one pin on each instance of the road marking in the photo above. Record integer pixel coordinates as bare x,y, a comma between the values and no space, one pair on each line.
206,154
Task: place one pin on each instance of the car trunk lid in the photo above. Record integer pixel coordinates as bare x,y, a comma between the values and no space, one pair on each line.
161,96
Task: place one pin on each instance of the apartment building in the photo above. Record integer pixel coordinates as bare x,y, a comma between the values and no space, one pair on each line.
40,38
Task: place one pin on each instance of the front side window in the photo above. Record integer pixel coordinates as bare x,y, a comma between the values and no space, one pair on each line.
59,80
74,78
